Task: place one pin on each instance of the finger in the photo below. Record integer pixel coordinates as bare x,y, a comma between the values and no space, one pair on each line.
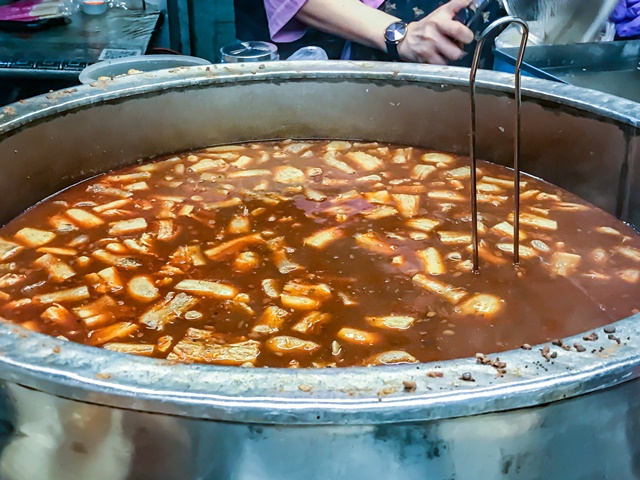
454,6
436,59
427,53
447,49
456,31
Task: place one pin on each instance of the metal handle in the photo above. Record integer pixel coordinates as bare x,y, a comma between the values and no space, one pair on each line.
516,143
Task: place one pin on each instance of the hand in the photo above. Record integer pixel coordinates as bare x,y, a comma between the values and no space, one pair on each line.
626,16
437,38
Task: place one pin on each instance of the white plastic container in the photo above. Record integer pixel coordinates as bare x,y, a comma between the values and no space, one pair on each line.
137,64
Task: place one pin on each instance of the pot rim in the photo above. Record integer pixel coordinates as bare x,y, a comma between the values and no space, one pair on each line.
356,395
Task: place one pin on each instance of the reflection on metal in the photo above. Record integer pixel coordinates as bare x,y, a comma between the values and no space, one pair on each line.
609,67
516,142
77,441
150,419
563,21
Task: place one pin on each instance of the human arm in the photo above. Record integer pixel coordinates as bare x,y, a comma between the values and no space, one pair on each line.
436,38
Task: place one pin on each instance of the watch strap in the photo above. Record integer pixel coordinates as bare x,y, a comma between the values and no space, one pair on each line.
392,50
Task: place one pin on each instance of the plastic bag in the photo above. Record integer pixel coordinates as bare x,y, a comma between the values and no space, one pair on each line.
36,10
626,18
309,53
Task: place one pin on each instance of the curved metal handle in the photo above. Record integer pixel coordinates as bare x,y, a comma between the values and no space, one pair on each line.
516,143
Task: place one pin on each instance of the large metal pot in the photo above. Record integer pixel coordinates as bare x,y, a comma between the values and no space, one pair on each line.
75,412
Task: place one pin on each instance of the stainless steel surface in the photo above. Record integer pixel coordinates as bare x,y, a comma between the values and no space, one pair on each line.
516,138
139,63
563,21
83,408
592,437
610,67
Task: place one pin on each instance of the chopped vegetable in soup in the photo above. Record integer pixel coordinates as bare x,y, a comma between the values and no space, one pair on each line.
313,254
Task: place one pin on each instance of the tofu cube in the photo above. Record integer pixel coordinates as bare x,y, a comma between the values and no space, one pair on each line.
358,337
142,289
393,322
482,305
322,238
311,322
208,289
271,321
431,261
564,264
127,227
33,237
392,357
83,219
286,345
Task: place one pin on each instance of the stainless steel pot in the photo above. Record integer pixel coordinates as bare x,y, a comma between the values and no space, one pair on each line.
75,412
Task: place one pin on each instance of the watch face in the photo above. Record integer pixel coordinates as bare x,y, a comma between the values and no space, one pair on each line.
396,32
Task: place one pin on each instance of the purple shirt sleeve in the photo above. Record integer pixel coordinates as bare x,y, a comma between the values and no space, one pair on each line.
283,27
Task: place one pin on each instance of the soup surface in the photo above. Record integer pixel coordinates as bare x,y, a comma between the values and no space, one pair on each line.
313,254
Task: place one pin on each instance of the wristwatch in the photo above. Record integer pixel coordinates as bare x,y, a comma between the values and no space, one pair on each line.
393,35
